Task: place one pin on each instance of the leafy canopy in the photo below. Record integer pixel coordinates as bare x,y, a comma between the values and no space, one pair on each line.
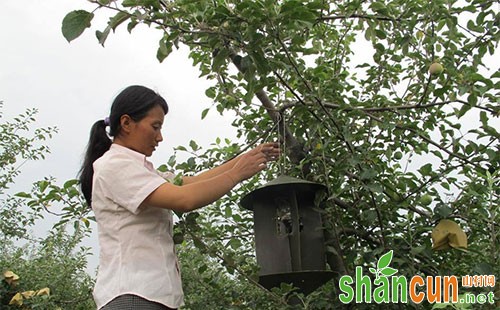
46,272
346,87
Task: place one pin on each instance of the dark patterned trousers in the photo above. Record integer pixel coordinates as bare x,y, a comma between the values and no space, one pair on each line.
133,302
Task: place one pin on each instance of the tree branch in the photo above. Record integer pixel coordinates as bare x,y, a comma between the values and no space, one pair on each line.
296,149
389,108
366,235
369,17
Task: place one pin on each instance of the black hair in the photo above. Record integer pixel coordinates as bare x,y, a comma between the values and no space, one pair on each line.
134,101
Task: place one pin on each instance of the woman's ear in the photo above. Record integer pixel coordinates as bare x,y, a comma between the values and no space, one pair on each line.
125,123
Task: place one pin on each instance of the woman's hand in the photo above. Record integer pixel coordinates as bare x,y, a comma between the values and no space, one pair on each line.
271,150
254,161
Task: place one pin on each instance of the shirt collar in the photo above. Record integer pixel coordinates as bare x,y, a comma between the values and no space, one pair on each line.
136,155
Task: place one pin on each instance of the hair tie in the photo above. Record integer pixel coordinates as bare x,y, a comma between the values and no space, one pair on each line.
106,121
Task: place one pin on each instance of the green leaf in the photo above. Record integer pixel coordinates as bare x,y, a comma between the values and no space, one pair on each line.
384,260
102,35
114,22
388,271
374,187
194,146
70,183
202,269
369,215
379,47
426,169
220,59
368,174
381,35
73,192
228,212
118,19
210,92
443,210
483,118
74,23
464,109
234,243
237,218
164,49
132,25
23,195
472,99
43,185
379,8
132,3
445,185
204,113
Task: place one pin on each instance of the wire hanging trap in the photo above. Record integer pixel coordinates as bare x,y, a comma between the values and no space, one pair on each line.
289,239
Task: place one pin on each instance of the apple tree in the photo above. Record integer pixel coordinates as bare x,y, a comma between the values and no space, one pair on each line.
393,105
47,272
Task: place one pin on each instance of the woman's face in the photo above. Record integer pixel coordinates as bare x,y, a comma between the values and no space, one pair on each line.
145,135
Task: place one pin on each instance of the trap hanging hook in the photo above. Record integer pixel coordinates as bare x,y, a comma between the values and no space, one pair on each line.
282,137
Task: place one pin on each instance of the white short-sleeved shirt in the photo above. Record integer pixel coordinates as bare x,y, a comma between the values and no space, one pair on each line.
136,247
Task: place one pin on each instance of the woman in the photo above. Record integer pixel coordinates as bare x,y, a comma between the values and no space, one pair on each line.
133,203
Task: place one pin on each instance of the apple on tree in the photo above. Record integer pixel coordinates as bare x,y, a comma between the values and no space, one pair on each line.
436,68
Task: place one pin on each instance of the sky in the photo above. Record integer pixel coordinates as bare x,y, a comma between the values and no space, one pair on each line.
73,84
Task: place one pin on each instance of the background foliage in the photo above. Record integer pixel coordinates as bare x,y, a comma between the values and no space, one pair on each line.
56,261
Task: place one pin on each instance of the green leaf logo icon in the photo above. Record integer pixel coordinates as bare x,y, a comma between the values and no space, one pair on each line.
385,260
383,269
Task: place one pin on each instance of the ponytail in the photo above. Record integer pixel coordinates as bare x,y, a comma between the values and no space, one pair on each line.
99,143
